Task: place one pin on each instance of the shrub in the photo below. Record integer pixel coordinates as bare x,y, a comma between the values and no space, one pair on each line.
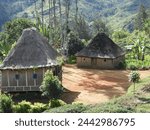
39,107
134,77
110,108
56,103
69,108
132,66
71,60
121,65
6,103
23,107
51,86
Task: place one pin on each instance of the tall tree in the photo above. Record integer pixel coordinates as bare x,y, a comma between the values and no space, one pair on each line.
100,27
61,31
67,12
49,5
82,28
76,16
54,7
42,13
141,18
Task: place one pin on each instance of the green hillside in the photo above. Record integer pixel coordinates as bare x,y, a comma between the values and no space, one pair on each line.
116,13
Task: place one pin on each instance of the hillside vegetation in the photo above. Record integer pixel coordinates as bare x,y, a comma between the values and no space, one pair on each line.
117,13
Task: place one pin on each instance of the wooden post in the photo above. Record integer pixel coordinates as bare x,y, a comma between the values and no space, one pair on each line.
43,72
17,80
8,79
34,80
26,78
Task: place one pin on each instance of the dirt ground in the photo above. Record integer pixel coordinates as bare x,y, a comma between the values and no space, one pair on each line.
95,86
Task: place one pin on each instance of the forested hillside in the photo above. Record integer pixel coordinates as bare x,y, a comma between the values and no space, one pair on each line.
116,13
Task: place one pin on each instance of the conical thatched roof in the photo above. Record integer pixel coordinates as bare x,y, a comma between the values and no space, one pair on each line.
101,46
32,50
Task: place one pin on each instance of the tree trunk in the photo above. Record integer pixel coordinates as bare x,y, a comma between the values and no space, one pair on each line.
61,31
42,10
36,17
76,17
49,4
54,6
134,89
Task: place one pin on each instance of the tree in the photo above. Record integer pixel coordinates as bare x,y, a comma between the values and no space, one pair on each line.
11,32
121,37
74,44
51,86
15,27
140,44
100,27
42,13
61,29
81,28
141,18
54,7
76,16
4,45
134,77
147,27
67,12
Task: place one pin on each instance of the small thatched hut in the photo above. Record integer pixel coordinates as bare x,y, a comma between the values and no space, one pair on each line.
101,53
24,67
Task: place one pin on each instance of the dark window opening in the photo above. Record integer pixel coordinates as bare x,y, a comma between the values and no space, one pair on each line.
17,76
104,60
34,76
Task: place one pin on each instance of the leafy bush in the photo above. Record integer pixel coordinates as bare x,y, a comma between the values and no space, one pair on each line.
23,107
56,103
71,60
51,86
39,107
69,108
6,103
133,64
121,65
132,67
134,77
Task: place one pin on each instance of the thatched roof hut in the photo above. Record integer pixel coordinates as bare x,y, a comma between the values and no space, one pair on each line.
24,67
31,50
101,48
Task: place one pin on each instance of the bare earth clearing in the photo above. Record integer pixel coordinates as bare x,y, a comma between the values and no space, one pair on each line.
95,86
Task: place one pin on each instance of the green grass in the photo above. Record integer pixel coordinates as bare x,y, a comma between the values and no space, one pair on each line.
69,108
138,85
143,108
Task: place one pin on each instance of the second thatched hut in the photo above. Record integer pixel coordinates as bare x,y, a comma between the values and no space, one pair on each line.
101,53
